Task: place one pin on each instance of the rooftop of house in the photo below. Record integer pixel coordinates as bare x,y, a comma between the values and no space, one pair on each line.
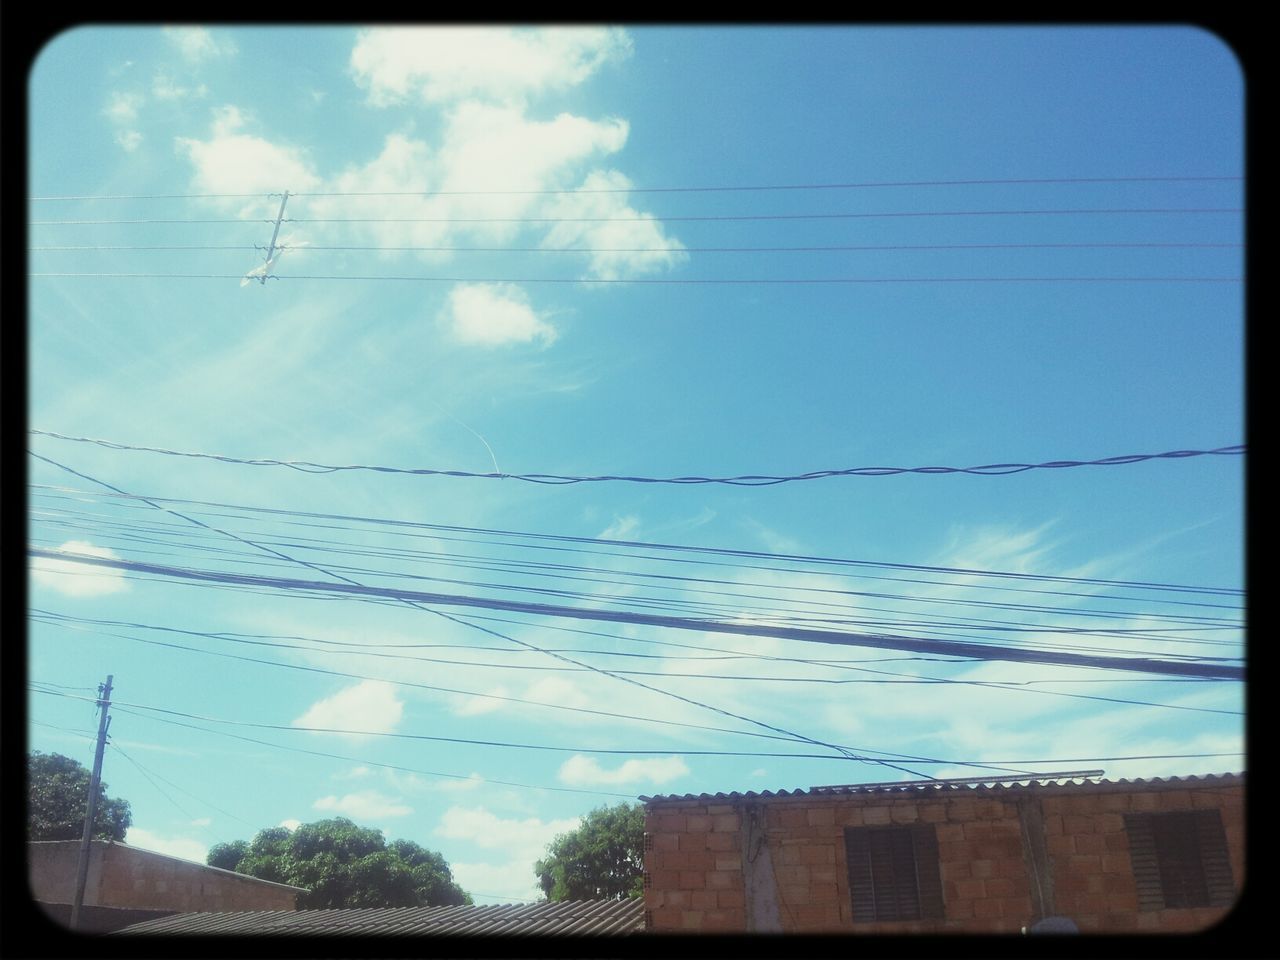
1085,780
571,918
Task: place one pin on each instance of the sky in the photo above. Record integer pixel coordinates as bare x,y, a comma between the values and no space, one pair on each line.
642,253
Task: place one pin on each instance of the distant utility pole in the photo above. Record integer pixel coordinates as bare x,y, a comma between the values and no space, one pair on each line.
86,840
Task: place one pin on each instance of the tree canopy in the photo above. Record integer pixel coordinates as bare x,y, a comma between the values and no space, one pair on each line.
58,798
603,859
343,865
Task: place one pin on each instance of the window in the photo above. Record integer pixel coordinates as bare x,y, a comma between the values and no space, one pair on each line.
1180,859
893,873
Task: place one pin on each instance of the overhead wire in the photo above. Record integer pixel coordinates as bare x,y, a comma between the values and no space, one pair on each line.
990,652
993,764
702,218
487,630
669,189
995,469
1012,686
108,536
829,564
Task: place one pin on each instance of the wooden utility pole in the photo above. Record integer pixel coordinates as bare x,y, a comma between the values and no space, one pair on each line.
86,840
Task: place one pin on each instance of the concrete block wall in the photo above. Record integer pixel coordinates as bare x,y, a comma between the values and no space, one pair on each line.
695,866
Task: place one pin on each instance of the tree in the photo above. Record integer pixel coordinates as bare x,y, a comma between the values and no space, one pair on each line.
603,859
58,798
343,865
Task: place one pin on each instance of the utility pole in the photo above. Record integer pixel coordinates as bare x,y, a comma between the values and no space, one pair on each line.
271,250
86,840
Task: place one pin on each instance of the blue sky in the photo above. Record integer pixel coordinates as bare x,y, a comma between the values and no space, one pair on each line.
553,315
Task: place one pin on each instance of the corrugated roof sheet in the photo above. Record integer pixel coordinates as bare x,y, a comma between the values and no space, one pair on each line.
589,917
994,785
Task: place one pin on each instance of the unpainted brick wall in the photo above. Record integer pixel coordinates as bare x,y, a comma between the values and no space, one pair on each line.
695,879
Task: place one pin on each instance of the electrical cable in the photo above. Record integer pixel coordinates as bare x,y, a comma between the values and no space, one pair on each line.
706,218
412,603
632,189
675,548
987,652
660,281
995,469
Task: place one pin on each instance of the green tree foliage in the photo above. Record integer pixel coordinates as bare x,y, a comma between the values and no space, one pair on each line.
343,865
601,860
58,797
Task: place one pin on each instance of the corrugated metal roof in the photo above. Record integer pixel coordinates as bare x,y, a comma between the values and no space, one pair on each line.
590,917
994,785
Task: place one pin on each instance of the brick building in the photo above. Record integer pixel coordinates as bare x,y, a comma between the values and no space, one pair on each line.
127,884
1129,856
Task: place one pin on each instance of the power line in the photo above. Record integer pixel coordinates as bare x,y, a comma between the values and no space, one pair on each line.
438,530
986,652
836,248
612,751
704,218
672,583
1009,686
371,763
993,469
487,630
651,281
980,763
678,189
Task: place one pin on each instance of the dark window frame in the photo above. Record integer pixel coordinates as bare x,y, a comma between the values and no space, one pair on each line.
1180,859
893,873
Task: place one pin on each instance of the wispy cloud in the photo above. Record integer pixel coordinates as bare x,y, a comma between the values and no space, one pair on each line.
371,706
620,529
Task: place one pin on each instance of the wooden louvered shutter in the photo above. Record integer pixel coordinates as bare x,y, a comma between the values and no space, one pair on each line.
928,876
1214,858
1146,866
1180,859
893,873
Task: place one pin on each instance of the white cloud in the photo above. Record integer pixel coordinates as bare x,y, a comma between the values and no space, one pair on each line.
291,824
620,529
183,847
202,821
364,805
559,691
474,706
526,840
624,242
582,771
355,773
491,314
78,579
130,140
164,87
199,43
232,161
123,107
370,706
439,64
513,881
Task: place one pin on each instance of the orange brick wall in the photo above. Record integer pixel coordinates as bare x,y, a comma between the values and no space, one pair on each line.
695,876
